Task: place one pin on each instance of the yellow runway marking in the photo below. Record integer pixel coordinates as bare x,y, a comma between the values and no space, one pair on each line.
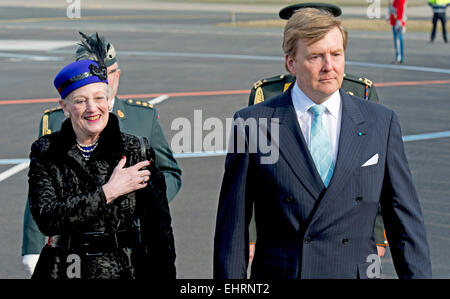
95,18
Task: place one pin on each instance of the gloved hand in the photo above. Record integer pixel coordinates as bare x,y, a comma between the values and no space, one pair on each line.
30,261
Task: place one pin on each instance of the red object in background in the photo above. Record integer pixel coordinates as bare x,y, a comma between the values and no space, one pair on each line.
399,12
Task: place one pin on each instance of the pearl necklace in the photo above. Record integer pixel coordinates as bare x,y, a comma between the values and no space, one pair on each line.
86,149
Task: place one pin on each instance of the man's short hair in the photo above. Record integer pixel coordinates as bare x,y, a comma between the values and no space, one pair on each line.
309,25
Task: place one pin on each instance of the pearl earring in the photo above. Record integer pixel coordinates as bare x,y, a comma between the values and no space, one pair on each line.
67,114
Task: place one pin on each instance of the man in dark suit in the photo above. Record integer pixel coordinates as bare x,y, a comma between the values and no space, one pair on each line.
338,158
351,84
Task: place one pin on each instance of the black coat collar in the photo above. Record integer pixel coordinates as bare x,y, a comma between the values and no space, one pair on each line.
110,142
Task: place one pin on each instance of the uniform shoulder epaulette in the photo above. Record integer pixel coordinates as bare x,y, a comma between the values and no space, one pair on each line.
269,80
139,103
360,80
49,111
45,129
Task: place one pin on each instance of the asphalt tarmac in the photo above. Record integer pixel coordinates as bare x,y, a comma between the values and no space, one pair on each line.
182,53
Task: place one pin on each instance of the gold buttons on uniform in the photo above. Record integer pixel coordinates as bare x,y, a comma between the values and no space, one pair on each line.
257,84
368,82
139,103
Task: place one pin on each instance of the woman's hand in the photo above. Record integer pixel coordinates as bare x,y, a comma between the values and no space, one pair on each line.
126,180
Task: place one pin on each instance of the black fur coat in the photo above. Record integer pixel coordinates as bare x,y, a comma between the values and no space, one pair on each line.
66,197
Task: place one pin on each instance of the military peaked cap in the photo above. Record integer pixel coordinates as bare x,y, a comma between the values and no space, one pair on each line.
288,11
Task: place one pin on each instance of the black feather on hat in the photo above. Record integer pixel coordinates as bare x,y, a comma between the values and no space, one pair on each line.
86,49
94,45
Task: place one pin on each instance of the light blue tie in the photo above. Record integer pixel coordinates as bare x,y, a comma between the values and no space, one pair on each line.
320,145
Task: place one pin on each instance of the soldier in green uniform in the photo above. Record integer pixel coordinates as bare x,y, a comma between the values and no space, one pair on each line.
270,87
353,85
136,117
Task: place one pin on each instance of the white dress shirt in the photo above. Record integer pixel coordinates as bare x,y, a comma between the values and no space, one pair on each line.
112,104
331,117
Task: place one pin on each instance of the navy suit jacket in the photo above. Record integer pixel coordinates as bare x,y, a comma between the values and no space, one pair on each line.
305,230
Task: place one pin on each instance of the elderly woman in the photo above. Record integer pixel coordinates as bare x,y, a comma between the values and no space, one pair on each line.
96,191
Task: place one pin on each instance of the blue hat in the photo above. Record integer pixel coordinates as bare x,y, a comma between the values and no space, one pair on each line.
78,74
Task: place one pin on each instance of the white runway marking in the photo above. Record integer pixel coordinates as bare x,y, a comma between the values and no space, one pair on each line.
13,45
18,56
23,163
186,54
33,45
263,58
158,100
426,136
13,170
399,67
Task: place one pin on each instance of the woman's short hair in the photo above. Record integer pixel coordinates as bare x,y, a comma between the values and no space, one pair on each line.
310,25
108,93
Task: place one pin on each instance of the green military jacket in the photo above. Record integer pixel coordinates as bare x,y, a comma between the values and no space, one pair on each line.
356,86
135,117
273,86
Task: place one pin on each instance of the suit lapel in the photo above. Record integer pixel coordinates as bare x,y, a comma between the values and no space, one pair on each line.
351,147
293,146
